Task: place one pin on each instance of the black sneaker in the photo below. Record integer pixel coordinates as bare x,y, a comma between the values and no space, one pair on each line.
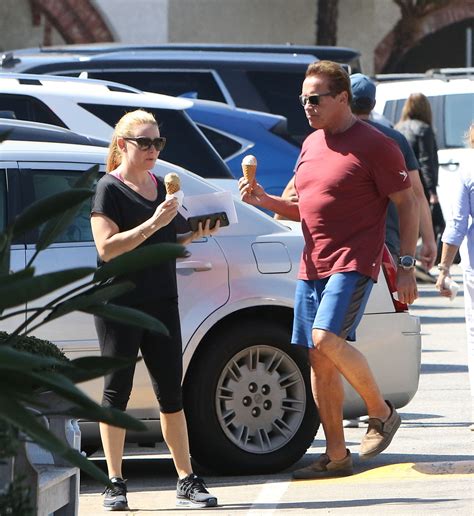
116,497
191,492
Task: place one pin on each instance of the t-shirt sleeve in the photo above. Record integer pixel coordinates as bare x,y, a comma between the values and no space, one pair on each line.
104,202
389,168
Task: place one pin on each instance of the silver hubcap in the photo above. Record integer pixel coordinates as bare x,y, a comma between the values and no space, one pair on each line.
261,399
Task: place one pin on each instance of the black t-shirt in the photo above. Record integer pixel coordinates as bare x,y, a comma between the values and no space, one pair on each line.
128,209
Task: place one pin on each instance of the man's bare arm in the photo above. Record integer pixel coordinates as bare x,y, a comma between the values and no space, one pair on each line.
409,216
256,196
429,249
289,194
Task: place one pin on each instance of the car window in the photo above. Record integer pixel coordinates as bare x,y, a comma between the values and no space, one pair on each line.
29,108
224,145
42,183
280,90
186,146
197,84
3,200
458,114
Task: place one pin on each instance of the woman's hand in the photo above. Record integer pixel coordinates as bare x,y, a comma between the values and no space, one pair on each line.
206,231
440,284
200,233
165,212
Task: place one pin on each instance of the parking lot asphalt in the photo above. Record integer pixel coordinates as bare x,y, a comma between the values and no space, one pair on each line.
429,467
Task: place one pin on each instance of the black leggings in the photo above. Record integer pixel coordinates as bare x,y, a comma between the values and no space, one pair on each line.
162,356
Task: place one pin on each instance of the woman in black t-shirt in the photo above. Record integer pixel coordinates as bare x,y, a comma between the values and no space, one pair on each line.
130,210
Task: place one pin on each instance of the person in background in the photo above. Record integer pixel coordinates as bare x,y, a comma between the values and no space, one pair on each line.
130,210
459,229
363,102
416,125
346,173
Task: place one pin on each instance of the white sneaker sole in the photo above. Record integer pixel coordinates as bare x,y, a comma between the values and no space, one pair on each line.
184,503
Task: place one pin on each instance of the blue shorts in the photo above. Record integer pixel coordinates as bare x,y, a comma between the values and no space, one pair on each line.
334,304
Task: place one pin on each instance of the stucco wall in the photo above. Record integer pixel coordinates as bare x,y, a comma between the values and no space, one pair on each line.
242,21
16,29
137,21
363,24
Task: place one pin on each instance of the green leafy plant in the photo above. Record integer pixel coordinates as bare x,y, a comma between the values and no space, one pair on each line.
24,375
16,500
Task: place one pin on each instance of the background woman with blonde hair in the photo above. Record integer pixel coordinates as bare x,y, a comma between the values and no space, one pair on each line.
130,210
417,127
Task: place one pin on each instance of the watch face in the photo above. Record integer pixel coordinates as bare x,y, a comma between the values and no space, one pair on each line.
407,261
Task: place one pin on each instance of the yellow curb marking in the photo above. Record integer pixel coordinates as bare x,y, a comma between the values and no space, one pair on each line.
409,471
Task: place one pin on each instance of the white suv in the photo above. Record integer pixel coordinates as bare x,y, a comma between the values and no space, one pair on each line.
247,392
452,104
93,107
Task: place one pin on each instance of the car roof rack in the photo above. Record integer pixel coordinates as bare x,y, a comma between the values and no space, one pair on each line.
450,72
381,77
8,60
39,79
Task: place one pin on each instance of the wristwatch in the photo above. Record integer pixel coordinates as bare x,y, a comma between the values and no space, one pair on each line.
406,262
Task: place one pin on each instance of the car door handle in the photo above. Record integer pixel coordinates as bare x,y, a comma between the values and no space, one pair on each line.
450,164
195,265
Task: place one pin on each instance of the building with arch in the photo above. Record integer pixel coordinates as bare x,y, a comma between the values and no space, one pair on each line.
391,39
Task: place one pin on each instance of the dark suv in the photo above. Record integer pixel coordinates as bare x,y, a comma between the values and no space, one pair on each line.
261,81
344,55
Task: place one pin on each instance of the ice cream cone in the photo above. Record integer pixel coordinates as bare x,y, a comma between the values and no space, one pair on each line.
172,183
249,169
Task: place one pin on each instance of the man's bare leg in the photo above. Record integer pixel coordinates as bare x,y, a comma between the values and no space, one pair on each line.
354,367
328,393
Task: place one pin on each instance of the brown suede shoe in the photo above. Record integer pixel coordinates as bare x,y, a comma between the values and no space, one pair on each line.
324,467
379,434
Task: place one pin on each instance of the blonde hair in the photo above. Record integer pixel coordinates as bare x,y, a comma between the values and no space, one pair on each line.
125,127
417,107
338,78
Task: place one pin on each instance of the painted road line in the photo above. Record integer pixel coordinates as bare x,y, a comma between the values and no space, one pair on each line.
268,498
409,471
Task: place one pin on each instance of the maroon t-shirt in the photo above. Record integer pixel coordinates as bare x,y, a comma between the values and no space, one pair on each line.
343,182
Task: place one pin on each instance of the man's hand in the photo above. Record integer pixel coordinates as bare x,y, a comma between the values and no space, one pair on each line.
406,286
428,253
251,194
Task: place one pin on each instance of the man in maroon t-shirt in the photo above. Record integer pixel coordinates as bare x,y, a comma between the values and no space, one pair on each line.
345,176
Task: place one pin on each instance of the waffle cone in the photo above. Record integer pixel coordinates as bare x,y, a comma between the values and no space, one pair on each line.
249,172
172,183
172,188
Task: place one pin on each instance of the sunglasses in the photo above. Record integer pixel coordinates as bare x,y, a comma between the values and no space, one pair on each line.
313,99
144,143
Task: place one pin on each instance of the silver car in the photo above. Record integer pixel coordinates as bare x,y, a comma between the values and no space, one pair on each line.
247,391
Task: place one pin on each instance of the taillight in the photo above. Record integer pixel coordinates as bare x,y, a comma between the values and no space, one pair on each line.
390,271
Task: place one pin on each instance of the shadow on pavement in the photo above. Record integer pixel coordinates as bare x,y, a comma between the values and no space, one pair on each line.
442,320
338,504
443,368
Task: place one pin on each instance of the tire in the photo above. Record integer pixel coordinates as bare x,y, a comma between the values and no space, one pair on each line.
248,401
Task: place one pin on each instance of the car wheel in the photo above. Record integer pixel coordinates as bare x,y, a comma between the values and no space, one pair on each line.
248,401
